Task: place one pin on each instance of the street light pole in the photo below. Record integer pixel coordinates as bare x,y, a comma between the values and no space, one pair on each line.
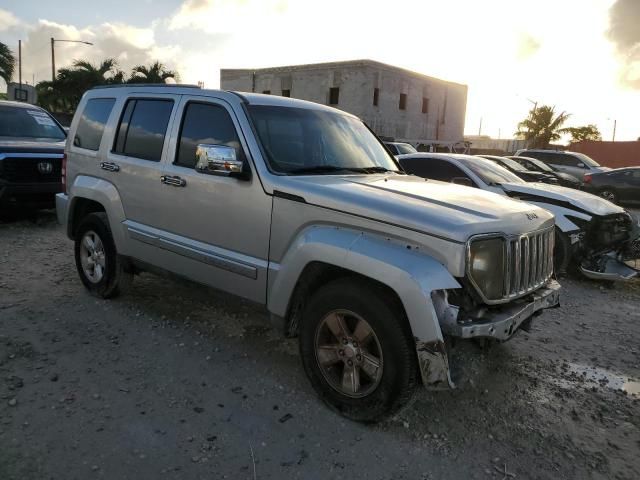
615,123
53,53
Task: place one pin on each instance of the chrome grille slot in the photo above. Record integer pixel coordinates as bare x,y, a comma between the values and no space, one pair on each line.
529,262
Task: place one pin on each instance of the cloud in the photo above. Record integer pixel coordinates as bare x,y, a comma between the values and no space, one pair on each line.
7,20
624,31
129,45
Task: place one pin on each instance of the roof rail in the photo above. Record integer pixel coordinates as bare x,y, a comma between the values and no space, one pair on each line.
124,85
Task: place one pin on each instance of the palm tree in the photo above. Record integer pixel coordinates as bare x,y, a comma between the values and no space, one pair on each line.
155,73
7,63
64,93
542,126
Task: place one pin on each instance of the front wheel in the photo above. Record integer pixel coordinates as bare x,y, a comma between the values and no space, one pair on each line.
609,194
561,252
357,350
100,268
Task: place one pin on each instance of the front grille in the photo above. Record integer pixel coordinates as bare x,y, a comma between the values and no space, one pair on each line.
529,262
15,169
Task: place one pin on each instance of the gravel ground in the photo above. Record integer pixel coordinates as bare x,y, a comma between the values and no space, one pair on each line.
177,381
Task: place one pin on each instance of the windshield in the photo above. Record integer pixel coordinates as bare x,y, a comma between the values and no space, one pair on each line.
512,164
489,172
588,161
405,148
301,140
540,164
19,122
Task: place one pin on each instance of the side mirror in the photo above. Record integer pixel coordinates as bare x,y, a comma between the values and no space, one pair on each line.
580,165
218,160
462,181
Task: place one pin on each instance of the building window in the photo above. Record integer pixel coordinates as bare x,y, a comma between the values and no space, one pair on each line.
425,105
334,95
267,92
376,96
286,93
403,101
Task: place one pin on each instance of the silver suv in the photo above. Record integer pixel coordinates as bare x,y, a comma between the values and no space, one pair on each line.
573,163
300,208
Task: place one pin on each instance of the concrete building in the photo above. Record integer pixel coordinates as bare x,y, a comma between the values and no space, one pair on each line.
22,93
498,146
397,104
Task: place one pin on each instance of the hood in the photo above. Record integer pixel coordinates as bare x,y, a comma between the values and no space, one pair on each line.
31,145
442,209
539,192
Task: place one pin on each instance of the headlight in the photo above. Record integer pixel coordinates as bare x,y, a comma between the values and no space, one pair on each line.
486,266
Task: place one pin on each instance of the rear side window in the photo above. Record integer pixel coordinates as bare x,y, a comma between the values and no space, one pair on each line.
205,123
91,124
143,127
432,168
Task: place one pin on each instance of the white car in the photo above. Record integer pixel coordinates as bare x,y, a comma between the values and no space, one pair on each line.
590,231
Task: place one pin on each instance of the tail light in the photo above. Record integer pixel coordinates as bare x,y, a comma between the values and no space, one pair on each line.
587,178
64,173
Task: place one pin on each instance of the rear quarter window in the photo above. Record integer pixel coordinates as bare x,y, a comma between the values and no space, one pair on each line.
92,122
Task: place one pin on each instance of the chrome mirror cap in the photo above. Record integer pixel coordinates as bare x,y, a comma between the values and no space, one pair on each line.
217,159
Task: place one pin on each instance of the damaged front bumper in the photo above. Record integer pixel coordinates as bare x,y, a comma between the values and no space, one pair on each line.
609,267
498,323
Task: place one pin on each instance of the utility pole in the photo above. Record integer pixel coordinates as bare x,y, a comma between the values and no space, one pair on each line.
20,65
53,61
615,122
480,127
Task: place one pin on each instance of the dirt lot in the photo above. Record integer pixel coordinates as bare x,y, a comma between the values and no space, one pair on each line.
177,381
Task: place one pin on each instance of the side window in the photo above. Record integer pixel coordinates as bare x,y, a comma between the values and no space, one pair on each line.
205,123
571,160
392,148
92,121
143,127
432,168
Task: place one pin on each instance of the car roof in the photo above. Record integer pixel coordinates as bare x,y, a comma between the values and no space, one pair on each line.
249,98
10,103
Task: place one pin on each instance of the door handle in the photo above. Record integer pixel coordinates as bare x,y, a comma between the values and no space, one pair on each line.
110,166
174,181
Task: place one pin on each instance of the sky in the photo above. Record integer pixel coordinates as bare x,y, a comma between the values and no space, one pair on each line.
582,56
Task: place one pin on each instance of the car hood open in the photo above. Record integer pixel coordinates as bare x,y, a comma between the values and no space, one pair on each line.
539,192
436,208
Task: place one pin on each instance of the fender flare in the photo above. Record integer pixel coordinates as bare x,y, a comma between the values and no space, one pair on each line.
106,194
410,273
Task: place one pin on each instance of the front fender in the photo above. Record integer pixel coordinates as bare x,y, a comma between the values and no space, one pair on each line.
106,194
410,273
562,213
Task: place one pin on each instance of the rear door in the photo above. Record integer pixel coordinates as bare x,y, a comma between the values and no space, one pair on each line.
133,164
215,226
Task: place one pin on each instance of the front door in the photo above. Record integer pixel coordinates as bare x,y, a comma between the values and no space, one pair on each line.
216,226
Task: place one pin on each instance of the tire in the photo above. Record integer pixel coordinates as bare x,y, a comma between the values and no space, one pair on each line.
561,252
382,391
609,194
110,276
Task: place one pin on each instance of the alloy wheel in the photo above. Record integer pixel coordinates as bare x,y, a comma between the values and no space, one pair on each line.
92,257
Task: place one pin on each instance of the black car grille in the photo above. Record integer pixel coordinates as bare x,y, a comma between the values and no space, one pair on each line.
27,170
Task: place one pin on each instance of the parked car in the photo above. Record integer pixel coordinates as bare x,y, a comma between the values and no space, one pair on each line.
621,185
520,171
300,208
31,150
535,165
591,232
573,163
399,148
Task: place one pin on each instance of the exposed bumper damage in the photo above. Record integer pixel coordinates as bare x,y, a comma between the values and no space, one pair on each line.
497,323
608,267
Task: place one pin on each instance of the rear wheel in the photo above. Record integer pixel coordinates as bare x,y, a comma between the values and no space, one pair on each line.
100,268
357,350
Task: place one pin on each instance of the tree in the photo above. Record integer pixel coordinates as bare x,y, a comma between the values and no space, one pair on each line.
63,94
7,63
586,132
155,73
542,126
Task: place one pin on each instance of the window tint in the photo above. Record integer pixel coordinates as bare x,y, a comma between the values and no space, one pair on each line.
33,122
205,123
143,127
432,168
91,124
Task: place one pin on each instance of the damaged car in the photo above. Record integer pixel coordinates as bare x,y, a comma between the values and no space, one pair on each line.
592,233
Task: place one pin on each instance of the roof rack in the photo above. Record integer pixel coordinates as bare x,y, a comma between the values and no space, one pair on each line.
124,85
